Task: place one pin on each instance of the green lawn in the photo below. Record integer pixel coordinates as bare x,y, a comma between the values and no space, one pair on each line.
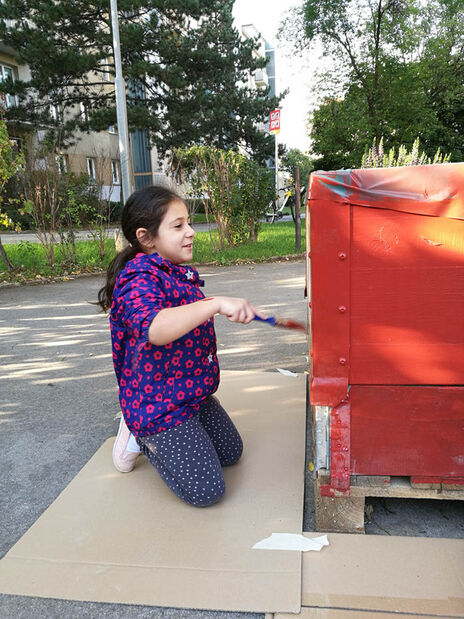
276,239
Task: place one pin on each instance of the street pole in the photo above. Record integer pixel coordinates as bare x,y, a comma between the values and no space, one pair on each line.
121,108
276,162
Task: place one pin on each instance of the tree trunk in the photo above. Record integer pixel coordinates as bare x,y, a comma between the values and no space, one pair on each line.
297,211
6,260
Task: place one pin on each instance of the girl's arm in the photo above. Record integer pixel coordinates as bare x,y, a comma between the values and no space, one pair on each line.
173,322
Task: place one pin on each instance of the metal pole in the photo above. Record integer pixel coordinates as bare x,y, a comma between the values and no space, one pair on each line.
276,163
121,108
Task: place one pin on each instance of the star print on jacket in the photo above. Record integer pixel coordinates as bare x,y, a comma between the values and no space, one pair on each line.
160,387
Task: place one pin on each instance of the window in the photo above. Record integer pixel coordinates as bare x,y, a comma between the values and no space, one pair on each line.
5,73
61,163
91,167
113,129
115,172
84,112
105,67
56,113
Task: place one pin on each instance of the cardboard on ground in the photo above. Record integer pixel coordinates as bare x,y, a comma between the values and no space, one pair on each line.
362,575
126,538
112,537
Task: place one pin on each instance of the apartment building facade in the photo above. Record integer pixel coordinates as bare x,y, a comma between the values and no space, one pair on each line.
93,153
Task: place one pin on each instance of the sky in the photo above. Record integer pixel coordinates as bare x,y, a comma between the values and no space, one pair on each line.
292,73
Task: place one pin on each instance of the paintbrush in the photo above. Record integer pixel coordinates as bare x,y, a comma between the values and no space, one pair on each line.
285,323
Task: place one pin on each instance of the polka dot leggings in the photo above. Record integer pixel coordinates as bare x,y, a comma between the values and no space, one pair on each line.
189,457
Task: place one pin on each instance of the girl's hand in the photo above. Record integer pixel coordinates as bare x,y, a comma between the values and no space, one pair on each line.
237,310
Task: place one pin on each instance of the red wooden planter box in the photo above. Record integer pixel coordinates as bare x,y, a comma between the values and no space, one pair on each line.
387,320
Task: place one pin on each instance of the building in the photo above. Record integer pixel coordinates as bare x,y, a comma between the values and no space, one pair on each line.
265,76
93,153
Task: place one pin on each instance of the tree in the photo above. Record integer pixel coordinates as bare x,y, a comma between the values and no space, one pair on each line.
295,158
234,189
10,165
184,62
398,72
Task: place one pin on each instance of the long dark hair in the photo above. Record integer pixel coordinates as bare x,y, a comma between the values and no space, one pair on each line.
145,208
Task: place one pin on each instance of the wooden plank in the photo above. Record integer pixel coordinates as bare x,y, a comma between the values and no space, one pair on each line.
370,480
425,486
343,514
400,487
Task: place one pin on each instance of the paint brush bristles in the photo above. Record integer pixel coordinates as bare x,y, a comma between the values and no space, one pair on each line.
288,323
285,323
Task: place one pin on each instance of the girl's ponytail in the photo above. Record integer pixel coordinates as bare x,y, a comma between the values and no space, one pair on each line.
116,265
145,208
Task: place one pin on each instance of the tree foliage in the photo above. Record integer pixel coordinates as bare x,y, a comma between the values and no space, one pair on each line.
185,65
397,71
10,165
295,158
234,189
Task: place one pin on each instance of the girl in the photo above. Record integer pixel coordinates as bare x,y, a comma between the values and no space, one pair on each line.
164,351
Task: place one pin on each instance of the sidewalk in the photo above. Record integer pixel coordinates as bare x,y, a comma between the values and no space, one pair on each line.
9,237
81,235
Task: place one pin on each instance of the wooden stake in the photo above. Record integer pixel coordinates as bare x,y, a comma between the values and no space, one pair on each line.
297,211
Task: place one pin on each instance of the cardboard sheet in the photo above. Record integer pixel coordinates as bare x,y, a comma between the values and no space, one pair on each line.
327,613
384,573
112,537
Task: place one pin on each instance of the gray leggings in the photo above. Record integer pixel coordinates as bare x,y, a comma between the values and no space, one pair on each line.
189,457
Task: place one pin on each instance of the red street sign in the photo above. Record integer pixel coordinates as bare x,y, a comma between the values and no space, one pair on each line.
274,121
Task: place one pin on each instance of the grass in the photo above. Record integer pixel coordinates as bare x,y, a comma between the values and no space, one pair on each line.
200,218
274,240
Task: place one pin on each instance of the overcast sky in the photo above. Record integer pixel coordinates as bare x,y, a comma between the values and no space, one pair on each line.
266,16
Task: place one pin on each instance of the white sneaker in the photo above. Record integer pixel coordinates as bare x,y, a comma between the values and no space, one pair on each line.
125,449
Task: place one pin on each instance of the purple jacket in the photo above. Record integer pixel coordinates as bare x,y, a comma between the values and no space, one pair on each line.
159,386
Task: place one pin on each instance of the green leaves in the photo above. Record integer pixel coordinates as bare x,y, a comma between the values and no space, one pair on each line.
234,189
398,70
185,56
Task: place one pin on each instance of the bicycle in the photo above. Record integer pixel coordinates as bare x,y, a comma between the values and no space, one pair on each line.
275,211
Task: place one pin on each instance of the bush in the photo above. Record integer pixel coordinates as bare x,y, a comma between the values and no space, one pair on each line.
234,190
375,157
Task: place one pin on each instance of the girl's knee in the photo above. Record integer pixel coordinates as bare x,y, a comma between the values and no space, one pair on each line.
233,455
206,495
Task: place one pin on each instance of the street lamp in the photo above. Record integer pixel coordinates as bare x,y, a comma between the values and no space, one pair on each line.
121,108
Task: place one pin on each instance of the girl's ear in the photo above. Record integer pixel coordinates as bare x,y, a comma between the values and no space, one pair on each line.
144,238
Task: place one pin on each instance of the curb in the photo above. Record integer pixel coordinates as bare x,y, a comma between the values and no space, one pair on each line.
59,279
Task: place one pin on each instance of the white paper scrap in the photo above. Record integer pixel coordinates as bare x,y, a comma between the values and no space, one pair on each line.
286,372
292,541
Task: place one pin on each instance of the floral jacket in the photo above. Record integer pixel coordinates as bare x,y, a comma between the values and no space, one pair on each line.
160,387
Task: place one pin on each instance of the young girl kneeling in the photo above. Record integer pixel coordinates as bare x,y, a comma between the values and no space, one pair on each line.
164,352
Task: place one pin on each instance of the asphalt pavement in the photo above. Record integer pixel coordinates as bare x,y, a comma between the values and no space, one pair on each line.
58,404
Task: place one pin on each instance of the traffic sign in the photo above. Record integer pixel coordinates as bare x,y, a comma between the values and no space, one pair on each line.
274,121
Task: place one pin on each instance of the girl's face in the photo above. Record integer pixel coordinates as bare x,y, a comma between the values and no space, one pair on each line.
174,240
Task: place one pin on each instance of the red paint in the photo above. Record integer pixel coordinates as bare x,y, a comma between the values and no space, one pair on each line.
387,316
406,430
407,299
330,286
288,323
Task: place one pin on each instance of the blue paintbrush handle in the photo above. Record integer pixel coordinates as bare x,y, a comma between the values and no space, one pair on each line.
270,320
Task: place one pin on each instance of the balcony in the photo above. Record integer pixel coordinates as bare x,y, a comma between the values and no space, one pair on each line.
261,78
